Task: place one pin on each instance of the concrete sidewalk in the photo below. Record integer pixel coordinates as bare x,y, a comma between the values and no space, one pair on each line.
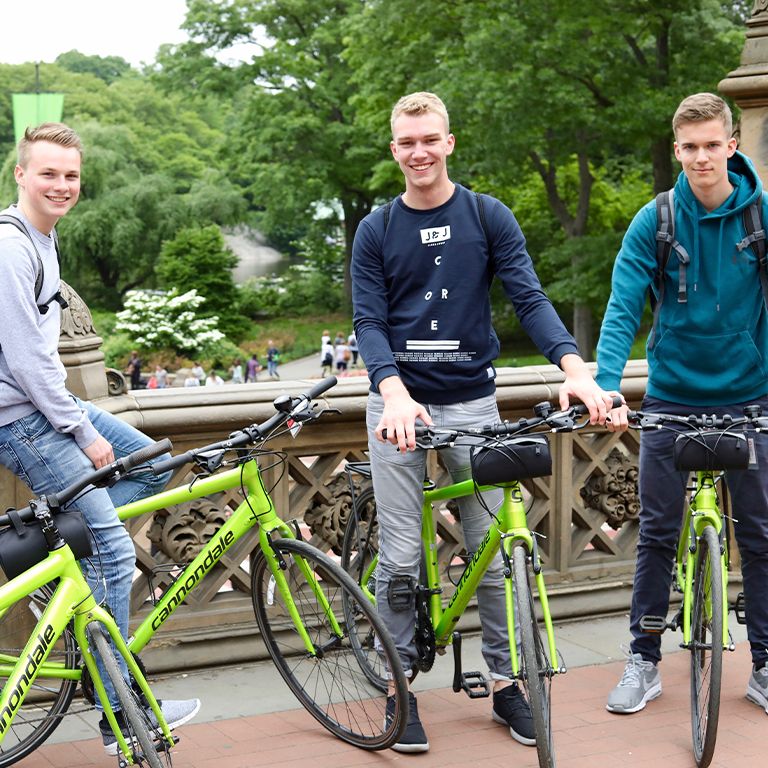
250,718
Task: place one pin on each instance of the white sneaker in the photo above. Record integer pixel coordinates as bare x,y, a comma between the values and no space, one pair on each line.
640,683
757,687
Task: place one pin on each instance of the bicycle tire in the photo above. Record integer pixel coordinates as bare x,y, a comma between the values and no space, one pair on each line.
137,722
536,669
706,646
331,686
359,546
48,699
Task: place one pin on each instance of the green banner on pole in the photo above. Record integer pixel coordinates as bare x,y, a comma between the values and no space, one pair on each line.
31,109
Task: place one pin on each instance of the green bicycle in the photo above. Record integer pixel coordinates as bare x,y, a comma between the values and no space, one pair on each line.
299,598
706,446
501,456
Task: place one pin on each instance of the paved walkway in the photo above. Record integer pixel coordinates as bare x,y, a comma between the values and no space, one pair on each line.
249,719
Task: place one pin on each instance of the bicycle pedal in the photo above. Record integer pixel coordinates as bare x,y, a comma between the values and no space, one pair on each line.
655,625
476,685
740,609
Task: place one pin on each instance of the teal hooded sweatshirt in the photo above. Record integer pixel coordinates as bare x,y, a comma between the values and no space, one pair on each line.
713,349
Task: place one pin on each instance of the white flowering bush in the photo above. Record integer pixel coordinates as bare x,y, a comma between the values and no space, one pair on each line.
160,319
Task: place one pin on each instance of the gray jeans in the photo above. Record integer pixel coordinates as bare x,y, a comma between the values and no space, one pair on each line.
397,482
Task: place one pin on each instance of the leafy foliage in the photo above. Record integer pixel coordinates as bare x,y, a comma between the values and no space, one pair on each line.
154,319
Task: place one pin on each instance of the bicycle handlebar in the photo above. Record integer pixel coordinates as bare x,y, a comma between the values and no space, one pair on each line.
646,420
558,421
297,408
98,478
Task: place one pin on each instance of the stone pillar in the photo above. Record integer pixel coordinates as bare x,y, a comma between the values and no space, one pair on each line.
748,87
80,349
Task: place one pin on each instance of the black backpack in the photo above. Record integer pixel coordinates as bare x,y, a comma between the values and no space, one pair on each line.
666,243
40,276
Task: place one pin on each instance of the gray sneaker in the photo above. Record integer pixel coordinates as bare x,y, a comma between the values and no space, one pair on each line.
640,683
757,687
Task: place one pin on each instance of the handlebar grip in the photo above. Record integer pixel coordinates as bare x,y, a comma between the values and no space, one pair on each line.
143,455
322,386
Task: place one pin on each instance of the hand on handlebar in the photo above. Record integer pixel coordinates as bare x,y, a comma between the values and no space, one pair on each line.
580,385
400,414
618,420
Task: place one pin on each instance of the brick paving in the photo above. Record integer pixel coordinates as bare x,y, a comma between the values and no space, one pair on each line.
461,732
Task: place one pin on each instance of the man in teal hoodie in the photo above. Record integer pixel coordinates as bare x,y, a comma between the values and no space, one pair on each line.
708,354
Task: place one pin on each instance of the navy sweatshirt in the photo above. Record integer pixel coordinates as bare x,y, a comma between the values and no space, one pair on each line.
420,293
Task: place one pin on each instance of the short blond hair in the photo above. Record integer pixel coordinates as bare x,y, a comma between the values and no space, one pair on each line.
55,133
701,107
419,103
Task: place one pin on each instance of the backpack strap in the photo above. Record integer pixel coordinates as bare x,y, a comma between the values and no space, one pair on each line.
483,221
387,212
40,273
665,244
755,238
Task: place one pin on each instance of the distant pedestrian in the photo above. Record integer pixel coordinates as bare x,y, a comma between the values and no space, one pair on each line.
252,368
198,372
161,377
236,371
326,358
343,355
213,380
191,380
134,370
352,344
273,357
326,338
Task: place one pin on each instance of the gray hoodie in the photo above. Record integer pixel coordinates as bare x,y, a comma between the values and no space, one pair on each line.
32,376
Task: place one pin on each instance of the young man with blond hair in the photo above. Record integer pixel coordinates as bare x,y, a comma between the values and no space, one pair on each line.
48,437
708,354
421,273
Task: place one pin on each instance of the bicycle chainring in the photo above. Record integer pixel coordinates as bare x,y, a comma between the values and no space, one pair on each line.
424,637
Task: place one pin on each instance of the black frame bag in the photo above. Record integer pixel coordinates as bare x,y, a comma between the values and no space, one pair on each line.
517,458
23,544
713,450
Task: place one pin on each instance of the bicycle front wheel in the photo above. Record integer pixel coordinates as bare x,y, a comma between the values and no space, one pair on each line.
49,698
359,556
142,736
706,646
536,669
326,677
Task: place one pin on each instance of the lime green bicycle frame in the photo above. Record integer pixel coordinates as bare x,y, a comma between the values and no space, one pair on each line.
509,529
72,601
703,510
256,509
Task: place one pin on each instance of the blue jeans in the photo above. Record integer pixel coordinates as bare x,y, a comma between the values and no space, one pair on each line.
48,461
662,499
398,480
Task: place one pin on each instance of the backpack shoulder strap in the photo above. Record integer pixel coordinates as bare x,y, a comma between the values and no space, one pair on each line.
755,238
387,213
40,273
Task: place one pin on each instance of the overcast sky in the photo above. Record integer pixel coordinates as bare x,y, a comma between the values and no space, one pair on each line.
39,30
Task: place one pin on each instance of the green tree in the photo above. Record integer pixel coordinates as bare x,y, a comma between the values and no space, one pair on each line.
197,258
295,142
106,68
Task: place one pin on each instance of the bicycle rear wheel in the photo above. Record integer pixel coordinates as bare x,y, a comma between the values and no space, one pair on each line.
706,646
49,698
140,733
328,682
536,669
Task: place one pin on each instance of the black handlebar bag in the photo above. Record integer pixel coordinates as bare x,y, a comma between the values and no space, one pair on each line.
714,450
23,544
517,458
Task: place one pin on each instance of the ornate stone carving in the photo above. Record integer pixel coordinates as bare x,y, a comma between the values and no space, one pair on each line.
76,319
328,519
760,6
614,494
116,383
180,533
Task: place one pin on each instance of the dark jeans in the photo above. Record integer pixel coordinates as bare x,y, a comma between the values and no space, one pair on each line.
662,499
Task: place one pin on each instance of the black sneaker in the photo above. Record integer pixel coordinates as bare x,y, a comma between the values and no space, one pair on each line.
510,708
413,739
